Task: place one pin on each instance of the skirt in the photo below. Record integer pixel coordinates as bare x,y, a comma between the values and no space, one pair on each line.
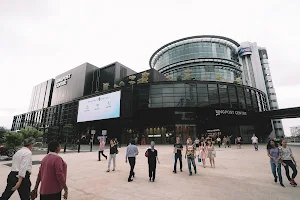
210,154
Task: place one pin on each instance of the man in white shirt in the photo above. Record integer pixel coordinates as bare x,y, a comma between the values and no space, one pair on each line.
19,177
255,142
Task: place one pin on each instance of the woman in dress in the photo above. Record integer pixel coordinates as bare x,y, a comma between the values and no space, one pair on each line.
203,152
275,160
211,153
224,141
289,161
113,150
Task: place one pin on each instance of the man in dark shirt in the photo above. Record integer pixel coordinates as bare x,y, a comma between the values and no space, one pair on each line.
178,154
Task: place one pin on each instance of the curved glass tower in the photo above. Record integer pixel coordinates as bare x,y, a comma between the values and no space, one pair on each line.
205,58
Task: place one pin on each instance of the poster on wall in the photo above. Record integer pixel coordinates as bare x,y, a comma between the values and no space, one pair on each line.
106,106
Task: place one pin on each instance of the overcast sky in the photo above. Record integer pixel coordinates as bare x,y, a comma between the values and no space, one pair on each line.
42,39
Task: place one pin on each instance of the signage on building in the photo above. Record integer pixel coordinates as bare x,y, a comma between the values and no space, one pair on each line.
62,81
230,112
244,51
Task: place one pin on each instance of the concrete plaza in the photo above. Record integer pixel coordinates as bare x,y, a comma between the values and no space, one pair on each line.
240,174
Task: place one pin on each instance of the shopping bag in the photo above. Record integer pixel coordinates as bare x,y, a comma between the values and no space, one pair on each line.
199,159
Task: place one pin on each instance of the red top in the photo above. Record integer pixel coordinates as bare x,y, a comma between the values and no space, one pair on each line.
52,173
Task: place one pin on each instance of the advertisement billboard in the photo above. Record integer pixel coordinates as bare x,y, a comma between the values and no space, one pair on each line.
244,51
106,106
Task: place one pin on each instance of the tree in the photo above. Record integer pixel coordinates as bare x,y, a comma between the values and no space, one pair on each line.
188,74
239,80
3,130
105,86
13,139
30,132
179,78
122,84
132,79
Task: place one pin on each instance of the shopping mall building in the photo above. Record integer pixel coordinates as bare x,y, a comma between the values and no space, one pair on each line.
195,86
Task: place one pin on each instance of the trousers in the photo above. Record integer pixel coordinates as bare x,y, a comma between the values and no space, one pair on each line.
176,157
289,164
132,164
24,189
274,167
152,170
112,157
255,146
56,196
191,161
99,155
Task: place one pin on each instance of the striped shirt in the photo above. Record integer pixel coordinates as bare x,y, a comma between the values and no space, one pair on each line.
131,151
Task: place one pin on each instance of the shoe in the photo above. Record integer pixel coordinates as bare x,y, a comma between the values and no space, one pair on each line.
294,182
150,179
130,180
113,170
174,172
133,174
275,179
190,174
181,170
282,185
108,170
153,180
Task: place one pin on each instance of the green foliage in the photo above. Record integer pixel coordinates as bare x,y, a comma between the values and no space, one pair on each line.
30,132
179,78
13,139
3,130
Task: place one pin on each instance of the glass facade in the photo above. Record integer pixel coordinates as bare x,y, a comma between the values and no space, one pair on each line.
205,72
195,50
195,94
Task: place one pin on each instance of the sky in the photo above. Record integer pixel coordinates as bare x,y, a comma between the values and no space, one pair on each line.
42,39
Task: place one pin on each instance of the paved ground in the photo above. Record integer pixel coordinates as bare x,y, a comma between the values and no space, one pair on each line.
239,174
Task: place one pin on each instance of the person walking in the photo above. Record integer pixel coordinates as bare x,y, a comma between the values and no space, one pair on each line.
151,153
289,162
255,142
131,153
219,141
225,141
197,142
228,141
113,150
52,175
19,177
178,147
275,160
211,153
203,152
101,149
190,155
239,142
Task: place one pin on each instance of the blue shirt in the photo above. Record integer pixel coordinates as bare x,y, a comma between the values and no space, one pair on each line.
131,151
274,152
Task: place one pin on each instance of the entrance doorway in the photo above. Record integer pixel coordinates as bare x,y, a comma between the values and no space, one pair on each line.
185,130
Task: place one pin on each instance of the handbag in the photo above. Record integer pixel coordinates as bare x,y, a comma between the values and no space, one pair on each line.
199,159
146,154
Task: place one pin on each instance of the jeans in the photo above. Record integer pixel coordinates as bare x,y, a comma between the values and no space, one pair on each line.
132,164
112,157
99,155
291,164
176,157
255,146
191,161
24,189
219,143
277,166
56,196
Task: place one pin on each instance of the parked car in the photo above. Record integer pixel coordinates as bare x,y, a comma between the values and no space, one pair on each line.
7,151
